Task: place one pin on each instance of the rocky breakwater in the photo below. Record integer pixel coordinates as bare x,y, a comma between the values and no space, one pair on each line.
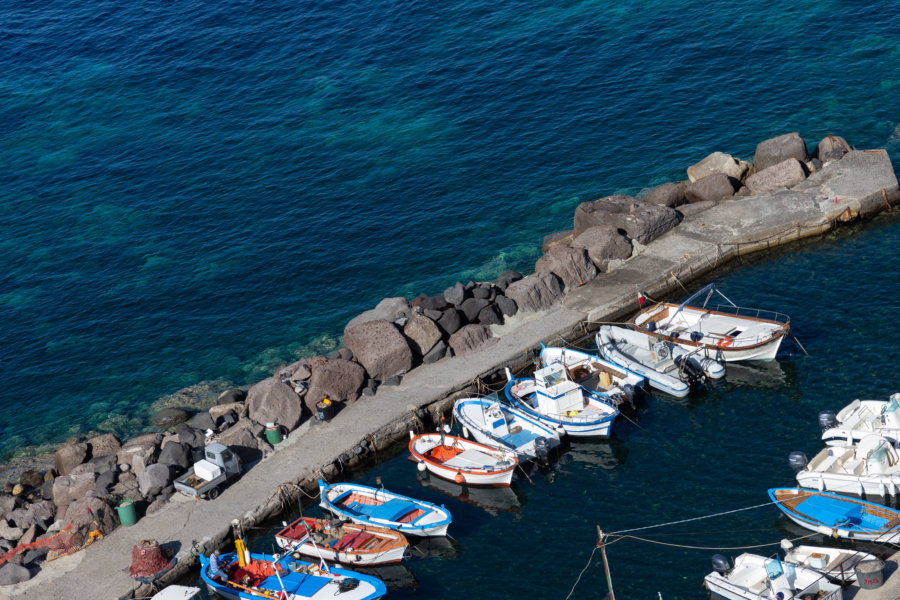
675,230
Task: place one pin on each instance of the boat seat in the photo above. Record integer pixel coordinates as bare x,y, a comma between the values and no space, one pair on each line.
758,588
392,510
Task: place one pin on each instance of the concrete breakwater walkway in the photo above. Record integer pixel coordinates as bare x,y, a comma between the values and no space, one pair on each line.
863,183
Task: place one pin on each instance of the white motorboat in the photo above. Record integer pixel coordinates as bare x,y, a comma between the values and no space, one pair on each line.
492,423
755,577
593,372
835,563
554,399
667,367
872,466
725,332
861,418
463,461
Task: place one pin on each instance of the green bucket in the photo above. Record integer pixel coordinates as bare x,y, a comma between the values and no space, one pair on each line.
273,433
126,513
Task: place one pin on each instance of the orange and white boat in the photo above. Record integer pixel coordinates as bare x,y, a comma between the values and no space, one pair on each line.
463,461
343,542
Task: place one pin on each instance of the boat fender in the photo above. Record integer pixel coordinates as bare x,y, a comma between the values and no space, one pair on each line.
459,478
421,466
724,342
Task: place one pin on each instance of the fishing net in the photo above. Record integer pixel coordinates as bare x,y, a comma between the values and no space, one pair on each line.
59,544
148,559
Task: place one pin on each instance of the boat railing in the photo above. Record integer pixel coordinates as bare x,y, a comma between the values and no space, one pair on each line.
752,313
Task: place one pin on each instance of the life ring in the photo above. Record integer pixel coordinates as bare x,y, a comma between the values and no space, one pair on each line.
724,342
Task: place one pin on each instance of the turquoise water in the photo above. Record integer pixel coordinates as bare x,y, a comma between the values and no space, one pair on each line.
197,192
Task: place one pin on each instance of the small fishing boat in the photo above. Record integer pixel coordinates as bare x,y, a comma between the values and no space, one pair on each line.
343,542
667,367
495,424
871,466
861,418
379,507
835,563
755,577
463,461
840,516
557,401
725,332
592,372
287,578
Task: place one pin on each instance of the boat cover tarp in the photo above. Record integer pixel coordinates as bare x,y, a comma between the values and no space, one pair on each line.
837,512
300,584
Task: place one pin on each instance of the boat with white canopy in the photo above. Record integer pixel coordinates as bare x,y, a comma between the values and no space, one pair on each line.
861,418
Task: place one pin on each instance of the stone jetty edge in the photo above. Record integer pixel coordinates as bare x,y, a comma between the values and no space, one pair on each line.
860,184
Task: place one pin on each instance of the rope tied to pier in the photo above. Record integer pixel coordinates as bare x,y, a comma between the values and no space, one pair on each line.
719,514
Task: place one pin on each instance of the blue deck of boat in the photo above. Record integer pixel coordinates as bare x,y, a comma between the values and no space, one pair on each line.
300,584
392,510
835,512
519,439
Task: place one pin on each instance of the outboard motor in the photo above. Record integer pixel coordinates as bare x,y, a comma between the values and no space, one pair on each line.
541,448
630,394
693,374
720,564
797,460
827,419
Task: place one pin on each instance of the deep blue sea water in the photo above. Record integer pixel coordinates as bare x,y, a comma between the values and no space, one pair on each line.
199,191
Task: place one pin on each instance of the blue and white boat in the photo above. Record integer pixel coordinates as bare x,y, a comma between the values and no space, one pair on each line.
840,516
287,578
595,373
377,506
492,423
667,367
555,400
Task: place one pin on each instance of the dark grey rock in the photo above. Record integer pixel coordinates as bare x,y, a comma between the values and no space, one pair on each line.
715,187
434,303
105,481
455,294
490,315
153,479
437,353
104,444
11,574
507,277
227,419
556,238
829,143
472,306
833,155
451,321
395,380
70,456
35,557
31,478
482,292
334,354
507,306
422,333
170,417
370,388
202,421
176,455
471,338
191,436
434,315
380,348
271,401
337,379
101,464
388,310
778,149
229,396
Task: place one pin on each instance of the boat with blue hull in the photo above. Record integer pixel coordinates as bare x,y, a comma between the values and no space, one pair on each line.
493,423
839,516
286,577
382,508
555,400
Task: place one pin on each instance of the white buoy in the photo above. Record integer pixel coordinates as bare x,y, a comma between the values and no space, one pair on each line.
421,466
465,431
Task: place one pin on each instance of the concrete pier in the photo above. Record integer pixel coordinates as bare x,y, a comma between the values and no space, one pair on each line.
889,590
862,183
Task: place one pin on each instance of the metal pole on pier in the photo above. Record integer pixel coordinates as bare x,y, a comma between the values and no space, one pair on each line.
602,545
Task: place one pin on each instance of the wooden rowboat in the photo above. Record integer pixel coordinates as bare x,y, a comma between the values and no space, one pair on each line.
347,543
841,516
463,461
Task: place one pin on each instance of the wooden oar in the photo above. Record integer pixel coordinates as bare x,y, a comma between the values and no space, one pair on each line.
254,591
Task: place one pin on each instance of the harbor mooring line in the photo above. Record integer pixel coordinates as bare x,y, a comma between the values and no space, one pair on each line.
640,539
727,512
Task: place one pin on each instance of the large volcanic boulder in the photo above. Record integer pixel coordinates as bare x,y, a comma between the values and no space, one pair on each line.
334,378
456,293
572,265
380,348
505,278
785,174
153,479
175,455
171,416
668,194
272,401
604,244
229,396
472,306
506,306
832,147
719,162
471,338
422,333
778,149
451,320
70,456
389,309
245,438
536,292
140,451
639,220
104,444
556,238
86,515
711,188
11,574
67,488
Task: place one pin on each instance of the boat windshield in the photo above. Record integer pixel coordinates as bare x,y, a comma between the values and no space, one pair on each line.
774,569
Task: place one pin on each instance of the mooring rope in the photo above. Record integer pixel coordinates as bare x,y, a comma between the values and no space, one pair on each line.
727,512
687,547
590,559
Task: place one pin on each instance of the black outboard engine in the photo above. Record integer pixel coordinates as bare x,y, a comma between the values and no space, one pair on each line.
629,392
797,460
693,374
827,419
541,448
720,564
